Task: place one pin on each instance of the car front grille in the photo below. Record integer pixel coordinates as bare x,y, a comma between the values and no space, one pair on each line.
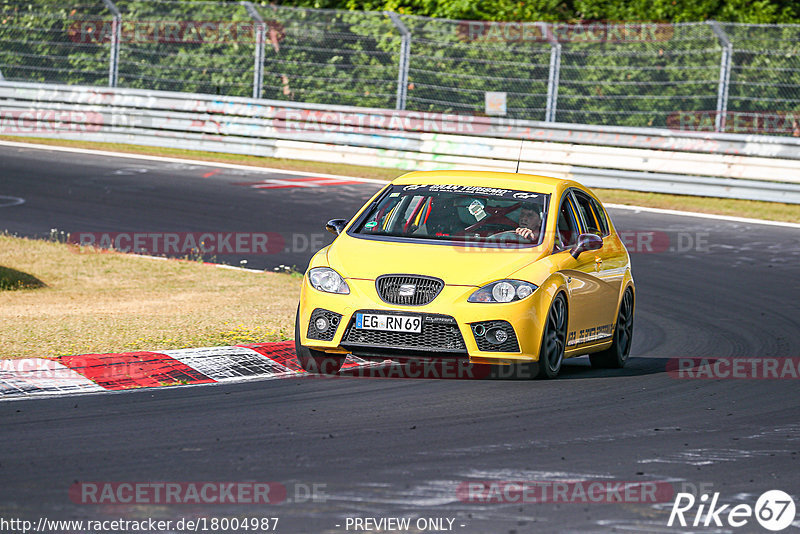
440,333
394,289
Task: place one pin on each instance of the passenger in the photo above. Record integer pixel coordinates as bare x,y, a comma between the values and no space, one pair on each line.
443,219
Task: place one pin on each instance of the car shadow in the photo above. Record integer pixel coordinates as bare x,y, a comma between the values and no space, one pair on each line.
580,367
572,369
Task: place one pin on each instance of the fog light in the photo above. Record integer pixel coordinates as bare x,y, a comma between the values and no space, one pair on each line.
496,336
321,324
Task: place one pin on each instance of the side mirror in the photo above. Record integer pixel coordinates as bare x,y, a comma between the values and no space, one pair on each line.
336,226
586,242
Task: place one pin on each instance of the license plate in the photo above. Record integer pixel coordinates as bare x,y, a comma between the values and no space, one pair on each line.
391,323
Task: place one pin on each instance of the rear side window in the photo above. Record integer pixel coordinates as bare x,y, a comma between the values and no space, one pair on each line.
592,214
567,231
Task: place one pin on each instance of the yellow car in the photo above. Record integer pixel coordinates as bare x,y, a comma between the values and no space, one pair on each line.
486,267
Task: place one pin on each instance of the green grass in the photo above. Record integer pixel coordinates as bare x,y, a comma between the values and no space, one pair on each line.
97,302
772,211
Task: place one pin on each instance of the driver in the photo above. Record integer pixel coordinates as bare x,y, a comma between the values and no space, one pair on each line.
530,222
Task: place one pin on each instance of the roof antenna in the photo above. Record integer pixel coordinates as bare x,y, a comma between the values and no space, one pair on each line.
519,157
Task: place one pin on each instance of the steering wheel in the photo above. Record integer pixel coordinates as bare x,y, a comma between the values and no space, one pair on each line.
486,230
507,234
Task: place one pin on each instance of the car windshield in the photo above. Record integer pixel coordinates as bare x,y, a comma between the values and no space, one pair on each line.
457,213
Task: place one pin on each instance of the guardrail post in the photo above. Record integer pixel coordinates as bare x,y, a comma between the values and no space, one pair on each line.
116,30
2,78
554,75
405,57
258,56
724,75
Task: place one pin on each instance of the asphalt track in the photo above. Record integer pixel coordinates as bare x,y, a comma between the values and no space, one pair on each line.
401,447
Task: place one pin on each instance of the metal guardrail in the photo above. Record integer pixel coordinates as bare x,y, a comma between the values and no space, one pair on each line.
658,160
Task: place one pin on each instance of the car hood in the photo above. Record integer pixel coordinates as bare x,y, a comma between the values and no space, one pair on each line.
456,265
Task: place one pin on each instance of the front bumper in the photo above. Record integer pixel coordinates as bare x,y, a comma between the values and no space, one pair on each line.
451,326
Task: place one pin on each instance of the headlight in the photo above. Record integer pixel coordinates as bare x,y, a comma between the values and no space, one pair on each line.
503,291
327,280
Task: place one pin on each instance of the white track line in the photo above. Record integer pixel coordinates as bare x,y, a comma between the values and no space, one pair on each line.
365,180
164,159
220,265
703,215
7,202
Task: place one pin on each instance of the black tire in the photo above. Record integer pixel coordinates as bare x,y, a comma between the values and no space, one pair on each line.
314,361
616,355
554,339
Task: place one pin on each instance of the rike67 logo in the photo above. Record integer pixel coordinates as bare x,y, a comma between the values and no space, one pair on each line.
774,510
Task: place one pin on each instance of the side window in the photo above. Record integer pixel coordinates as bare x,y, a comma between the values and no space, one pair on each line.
567,231
592,214
380,219
413,213
601,214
